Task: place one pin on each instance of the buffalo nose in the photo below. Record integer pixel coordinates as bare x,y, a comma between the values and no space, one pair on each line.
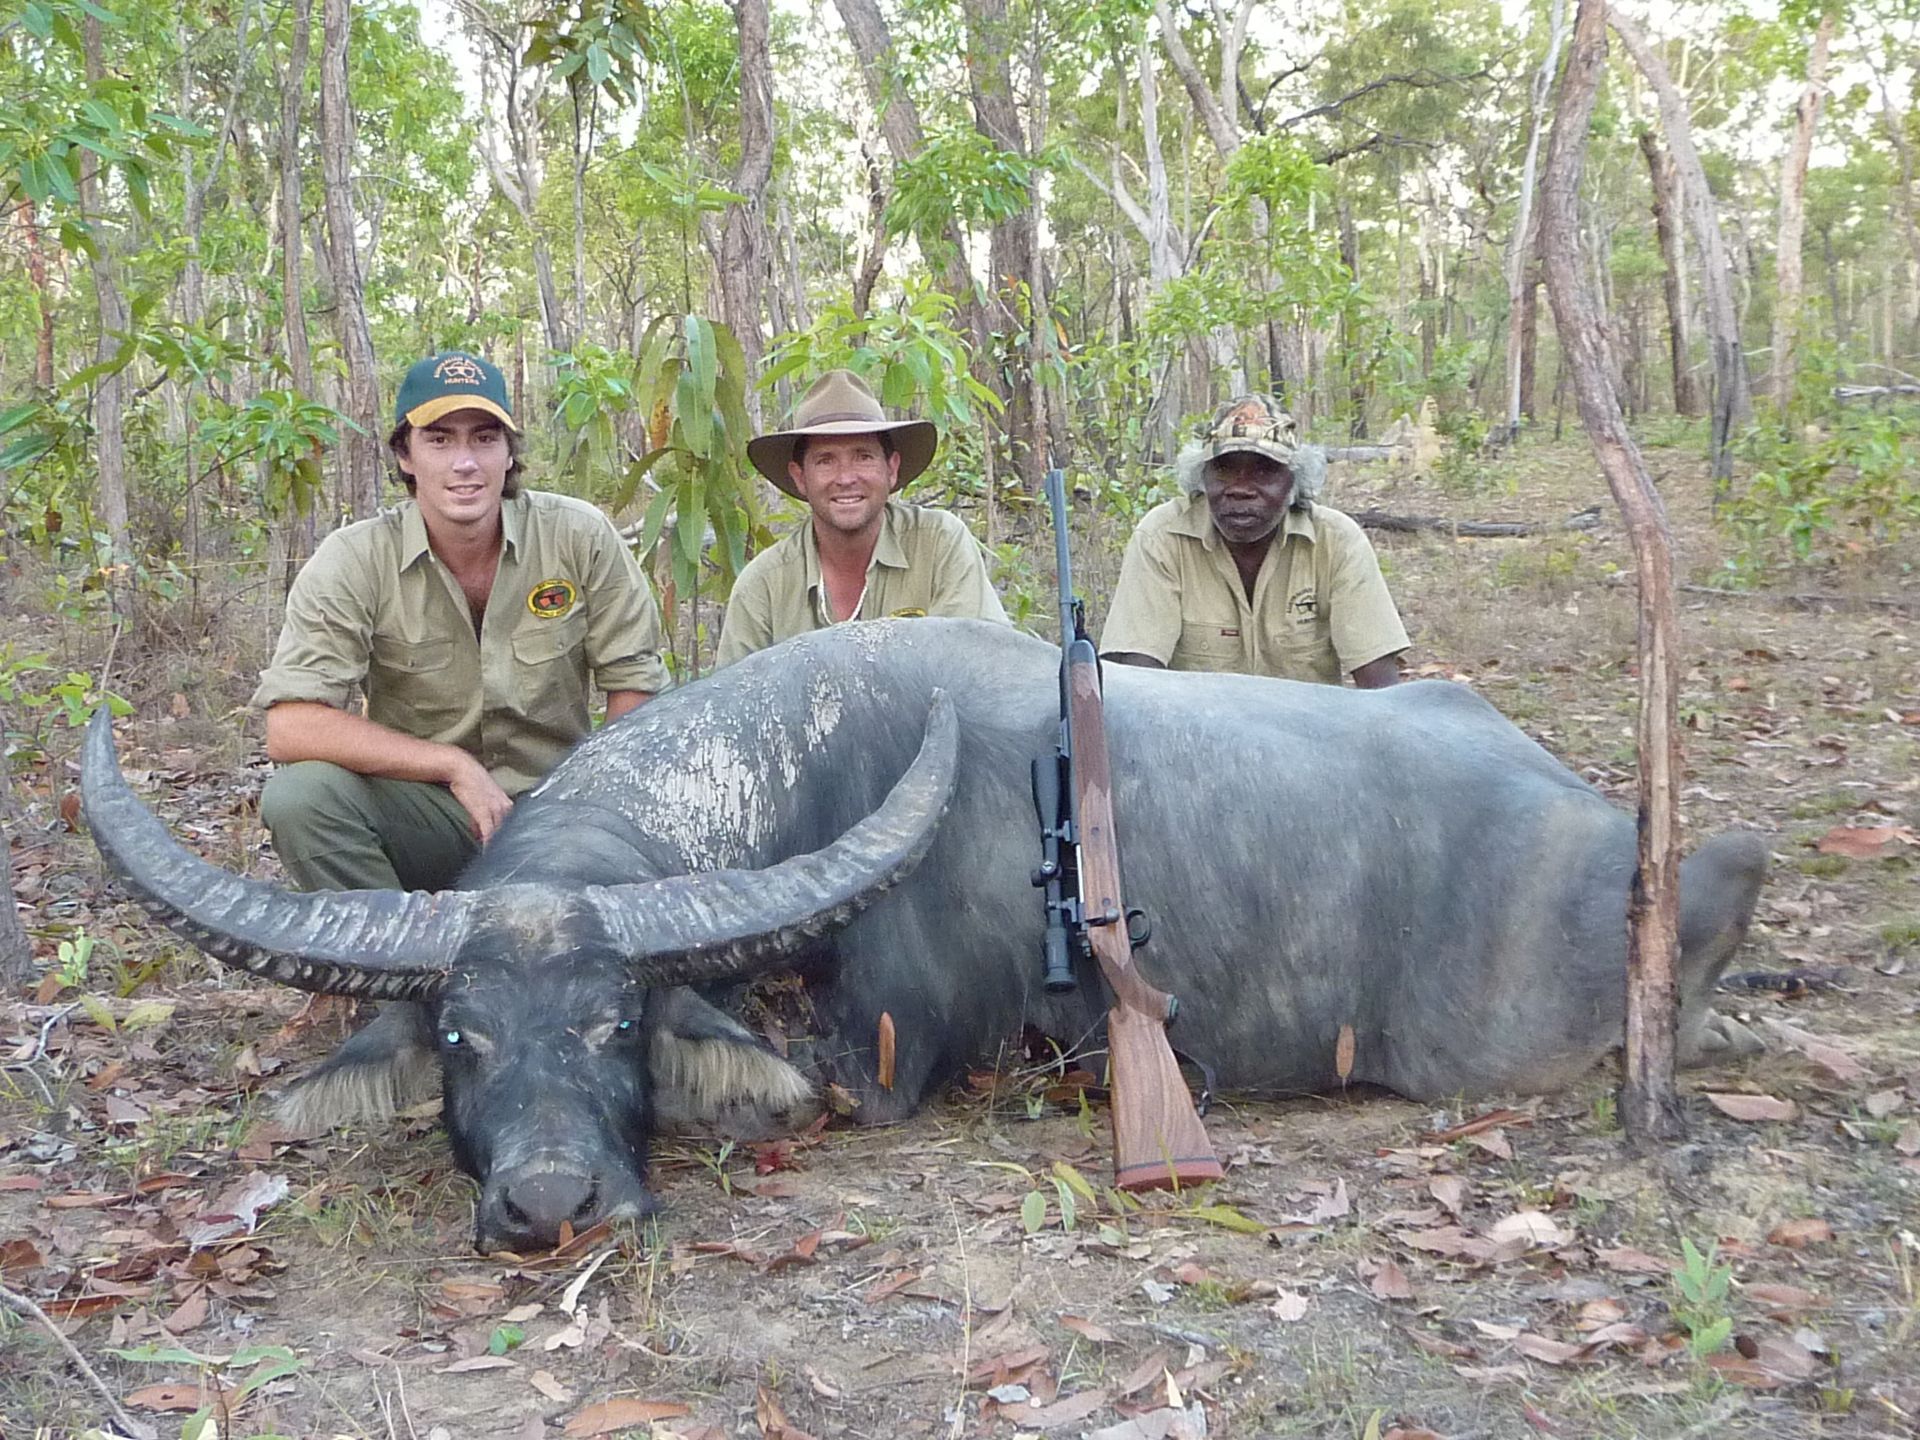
538,1203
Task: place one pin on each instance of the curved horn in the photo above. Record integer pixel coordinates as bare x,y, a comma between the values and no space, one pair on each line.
724,924
386,944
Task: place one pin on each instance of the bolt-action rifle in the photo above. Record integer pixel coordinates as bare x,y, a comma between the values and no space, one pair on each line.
1158,1140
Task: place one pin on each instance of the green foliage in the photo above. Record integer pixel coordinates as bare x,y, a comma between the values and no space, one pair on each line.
54,123
909,353
961,175
1700,1286
593,45
70,700
286,435
268,1363
1849,487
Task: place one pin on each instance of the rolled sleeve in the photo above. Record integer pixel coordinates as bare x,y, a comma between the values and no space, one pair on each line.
1144,616
326,638
1366,624
624,639
962,587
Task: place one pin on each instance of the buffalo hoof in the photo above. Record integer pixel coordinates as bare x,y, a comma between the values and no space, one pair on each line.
1719,1039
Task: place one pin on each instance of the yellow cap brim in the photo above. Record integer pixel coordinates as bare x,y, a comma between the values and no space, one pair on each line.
443,405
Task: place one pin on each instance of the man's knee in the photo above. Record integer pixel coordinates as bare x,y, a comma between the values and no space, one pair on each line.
298,797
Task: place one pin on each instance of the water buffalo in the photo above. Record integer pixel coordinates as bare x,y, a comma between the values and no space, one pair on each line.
854,805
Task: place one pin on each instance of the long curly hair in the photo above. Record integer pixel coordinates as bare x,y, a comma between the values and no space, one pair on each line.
1309,467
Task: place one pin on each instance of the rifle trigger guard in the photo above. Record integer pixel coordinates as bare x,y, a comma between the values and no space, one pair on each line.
1139,928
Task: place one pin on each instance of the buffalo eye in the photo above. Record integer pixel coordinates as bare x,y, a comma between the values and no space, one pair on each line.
624,1026
452,1037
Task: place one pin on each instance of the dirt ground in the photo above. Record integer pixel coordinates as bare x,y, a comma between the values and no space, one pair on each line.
1367,1267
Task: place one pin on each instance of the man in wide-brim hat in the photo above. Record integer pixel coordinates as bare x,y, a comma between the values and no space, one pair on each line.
862,555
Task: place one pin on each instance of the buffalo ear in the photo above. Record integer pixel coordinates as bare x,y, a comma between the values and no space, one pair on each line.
712,1075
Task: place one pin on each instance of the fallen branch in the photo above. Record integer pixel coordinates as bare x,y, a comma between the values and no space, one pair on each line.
1856,392
1473,529
21,1305
1798,602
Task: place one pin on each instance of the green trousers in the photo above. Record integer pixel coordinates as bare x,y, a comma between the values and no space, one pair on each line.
335,830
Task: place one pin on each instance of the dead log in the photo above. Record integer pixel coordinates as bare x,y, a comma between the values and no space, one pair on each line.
1649,1098
1473,529
1866,392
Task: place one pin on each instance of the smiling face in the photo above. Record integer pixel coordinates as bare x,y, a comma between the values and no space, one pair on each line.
845,480
1247,495
459,466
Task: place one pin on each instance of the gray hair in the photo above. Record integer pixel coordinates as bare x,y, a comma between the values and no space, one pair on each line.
1309,467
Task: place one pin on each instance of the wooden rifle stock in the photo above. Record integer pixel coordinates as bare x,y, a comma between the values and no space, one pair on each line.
1158,1140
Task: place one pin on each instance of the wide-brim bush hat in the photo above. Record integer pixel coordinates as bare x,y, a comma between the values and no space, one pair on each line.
839,403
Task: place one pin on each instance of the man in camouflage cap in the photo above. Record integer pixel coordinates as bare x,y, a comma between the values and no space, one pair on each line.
1246,573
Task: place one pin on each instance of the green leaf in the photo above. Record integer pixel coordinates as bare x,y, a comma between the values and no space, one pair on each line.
1069,1214
629,486
182,126
1033,1212
1074,1180
38,20
163,1355
105,17
1227,1218
24,450
657,511
690,521
693,413
702,355
13,419
101,113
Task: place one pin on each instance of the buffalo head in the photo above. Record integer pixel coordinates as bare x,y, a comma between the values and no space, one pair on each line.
555,1013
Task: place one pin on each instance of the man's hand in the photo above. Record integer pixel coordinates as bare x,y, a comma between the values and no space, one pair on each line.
481,797
1133,657
307,730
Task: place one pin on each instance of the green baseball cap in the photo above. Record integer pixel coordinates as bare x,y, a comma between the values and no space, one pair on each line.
452,380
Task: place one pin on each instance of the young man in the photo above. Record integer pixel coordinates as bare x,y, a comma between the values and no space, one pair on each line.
1246,573
472,617
862,555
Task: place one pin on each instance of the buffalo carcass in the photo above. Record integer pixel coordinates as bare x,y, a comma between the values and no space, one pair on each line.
1405,862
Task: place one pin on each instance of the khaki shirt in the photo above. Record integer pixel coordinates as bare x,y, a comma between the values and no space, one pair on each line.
926,562
375,608
1320,606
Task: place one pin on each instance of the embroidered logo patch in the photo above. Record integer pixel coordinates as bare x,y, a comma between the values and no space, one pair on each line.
551,599
1233,634
1302,605
458,370
912,612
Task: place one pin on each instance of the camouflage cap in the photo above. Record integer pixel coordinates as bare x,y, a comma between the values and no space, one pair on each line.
1255,423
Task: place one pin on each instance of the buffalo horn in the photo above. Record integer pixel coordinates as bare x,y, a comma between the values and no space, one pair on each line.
385,944
727,924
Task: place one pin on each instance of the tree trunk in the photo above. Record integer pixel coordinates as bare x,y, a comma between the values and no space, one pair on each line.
1793,217
42,294
743,236
1521,251
1010,242
881,72
1530,327
1650,1106
1732,397
1686,395
360,454
299,529
109,395
16,950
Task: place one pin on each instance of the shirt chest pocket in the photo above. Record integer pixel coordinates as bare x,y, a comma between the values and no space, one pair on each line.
545,641
550,665
414,685
1209,645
